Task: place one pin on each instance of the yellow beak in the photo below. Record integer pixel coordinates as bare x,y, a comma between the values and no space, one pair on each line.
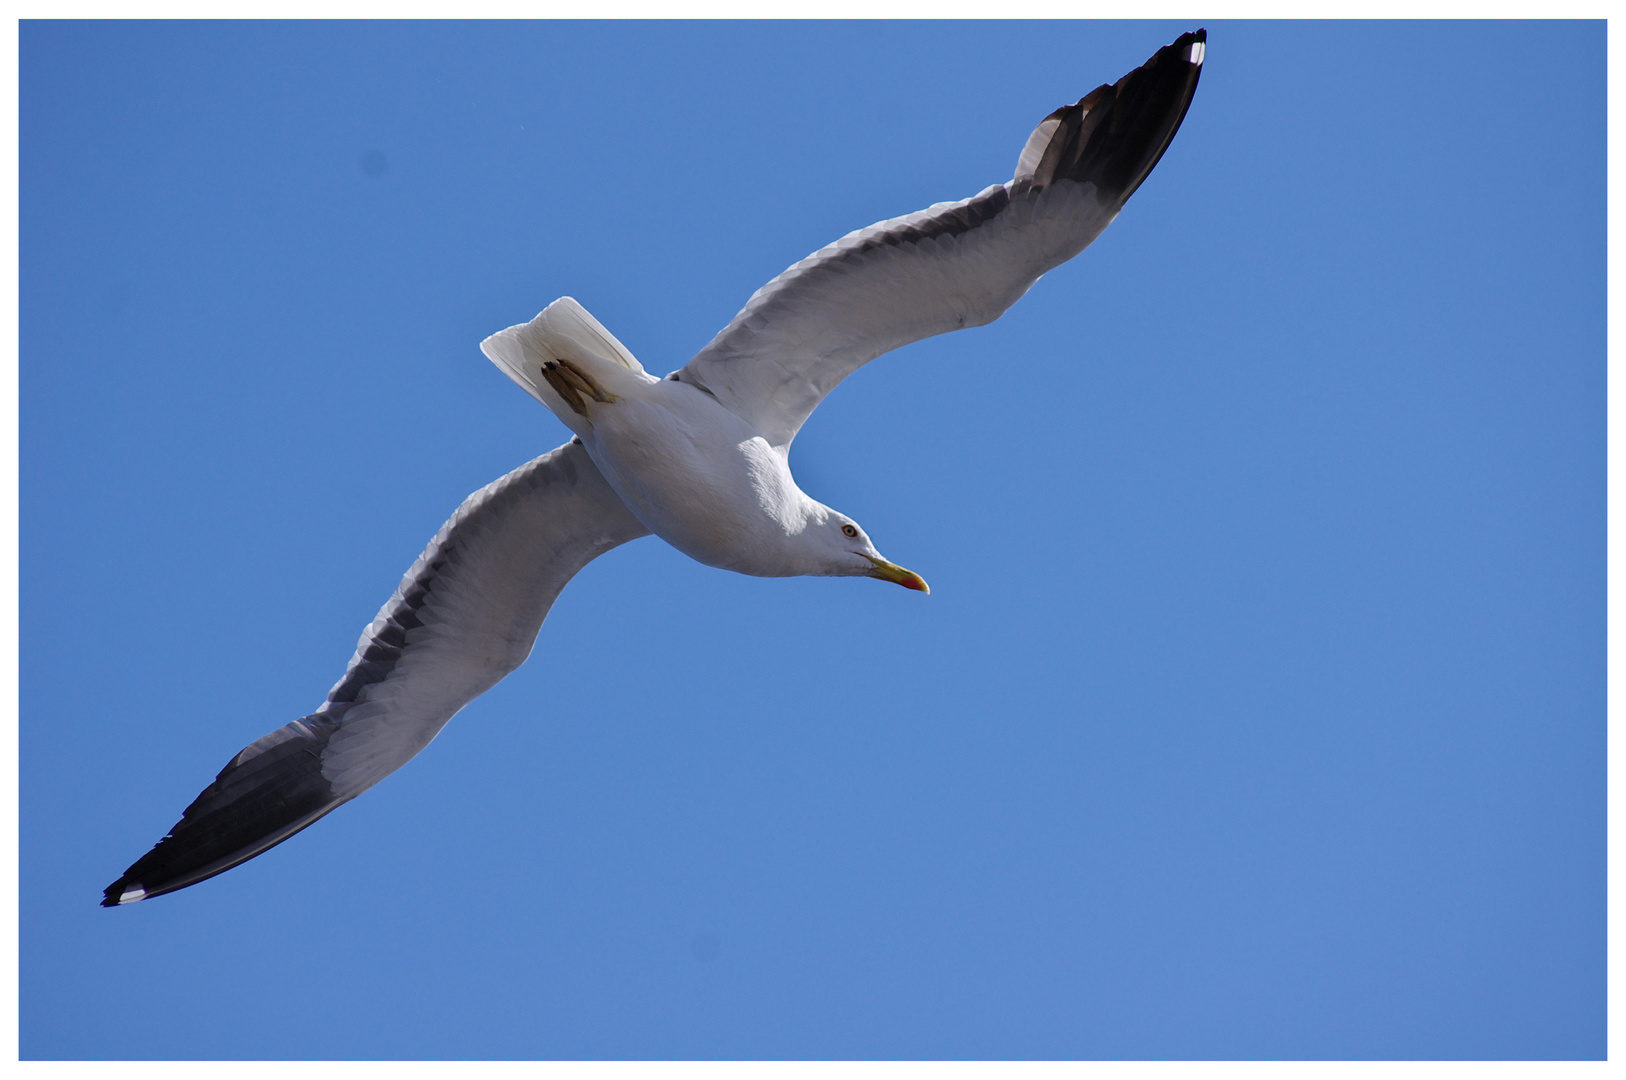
898,575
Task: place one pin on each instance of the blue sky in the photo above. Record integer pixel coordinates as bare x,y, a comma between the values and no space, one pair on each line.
1258,706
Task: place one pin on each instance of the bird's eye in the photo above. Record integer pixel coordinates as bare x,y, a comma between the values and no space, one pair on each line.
850,531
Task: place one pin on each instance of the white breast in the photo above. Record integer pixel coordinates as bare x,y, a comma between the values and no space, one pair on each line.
700,478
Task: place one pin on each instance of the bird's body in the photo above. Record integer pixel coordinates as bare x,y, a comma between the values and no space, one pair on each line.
699,458
739,499
693,471
739,510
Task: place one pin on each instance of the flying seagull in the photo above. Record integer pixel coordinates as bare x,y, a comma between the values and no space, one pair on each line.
699,458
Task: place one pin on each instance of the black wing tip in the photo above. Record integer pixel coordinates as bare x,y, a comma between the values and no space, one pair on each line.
1154,99
1116,134
182,868
267,793
1198,36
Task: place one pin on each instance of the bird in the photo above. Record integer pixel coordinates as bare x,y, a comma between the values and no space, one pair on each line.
699,458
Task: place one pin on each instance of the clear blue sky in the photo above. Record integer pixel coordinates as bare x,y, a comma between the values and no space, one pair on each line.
1258,706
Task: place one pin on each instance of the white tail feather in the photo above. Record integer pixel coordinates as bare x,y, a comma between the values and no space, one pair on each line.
564,330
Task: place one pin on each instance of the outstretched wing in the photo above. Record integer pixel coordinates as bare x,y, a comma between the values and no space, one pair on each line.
952,265
464,616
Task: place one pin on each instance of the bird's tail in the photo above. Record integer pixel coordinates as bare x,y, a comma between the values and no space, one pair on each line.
564,331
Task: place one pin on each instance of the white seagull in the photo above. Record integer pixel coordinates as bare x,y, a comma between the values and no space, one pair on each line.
699,458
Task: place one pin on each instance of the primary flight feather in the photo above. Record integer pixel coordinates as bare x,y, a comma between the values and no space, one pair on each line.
699,458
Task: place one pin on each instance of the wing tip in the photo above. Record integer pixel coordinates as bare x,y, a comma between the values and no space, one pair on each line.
189,872
1115,135
270,790
1196,47
123,892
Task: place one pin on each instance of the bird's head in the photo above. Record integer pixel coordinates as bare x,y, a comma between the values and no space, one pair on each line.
849,553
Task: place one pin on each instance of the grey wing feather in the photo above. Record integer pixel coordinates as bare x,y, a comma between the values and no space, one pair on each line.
952,265
464,616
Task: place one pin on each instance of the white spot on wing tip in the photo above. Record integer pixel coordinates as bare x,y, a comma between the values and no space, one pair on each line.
130,896
1194,52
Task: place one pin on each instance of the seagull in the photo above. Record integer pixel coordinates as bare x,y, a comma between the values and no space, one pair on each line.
699,459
